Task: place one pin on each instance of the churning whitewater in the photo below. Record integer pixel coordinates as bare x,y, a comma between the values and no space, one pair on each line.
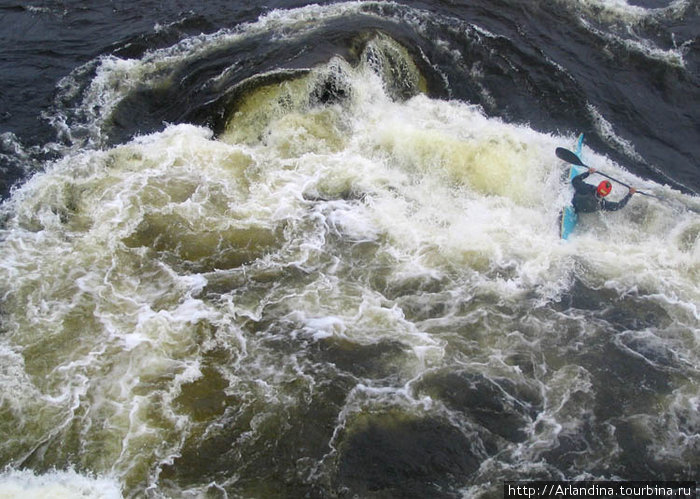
342,287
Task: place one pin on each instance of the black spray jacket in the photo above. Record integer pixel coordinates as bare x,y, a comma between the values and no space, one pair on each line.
586,199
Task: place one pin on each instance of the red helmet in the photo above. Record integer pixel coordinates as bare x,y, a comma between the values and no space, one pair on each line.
604,188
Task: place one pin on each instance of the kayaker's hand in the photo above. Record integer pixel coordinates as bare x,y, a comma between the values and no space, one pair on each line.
632,190
591,170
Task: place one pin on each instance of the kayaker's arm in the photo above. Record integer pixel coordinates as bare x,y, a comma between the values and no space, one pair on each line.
614,206
577,181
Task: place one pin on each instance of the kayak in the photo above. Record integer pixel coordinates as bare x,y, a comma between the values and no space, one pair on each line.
568,217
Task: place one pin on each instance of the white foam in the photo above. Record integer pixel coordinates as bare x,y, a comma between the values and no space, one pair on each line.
324,327
622,10
673,56
56,485
606,130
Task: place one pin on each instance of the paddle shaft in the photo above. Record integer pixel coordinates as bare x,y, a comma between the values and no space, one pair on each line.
572,158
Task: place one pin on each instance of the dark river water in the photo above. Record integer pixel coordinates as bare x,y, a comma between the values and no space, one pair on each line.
311,250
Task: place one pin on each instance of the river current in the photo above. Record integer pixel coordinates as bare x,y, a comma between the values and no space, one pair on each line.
304,250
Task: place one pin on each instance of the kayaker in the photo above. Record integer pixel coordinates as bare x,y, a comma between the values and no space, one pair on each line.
589,198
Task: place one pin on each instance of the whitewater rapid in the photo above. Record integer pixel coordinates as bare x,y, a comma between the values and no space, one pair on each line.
349,278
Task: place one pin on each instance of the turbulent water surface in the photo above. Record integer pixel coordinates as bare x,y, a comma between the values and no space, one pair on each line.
302,250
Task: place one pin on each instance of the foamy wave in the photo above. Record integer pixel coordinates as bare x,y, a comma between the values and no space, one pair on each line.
56,484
